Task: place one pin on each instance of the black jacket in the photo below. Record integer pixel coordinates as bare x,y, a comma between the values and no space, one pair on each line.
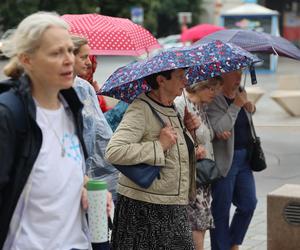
18,151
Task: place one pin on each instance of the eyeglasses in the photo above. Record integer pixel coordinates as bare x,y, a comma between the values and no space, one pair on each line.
212,89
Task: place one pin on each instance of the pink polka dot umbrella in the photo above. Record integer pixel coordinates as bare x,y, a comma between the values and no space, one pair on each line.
112,35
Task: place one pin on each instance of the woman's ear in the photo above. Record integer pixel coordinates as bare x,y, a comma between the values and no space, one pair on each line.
160,80
25,61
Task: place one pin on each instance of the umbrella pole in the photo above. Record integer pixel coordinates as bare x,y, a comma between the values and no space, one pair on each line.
194,132
245,78
271,42
184,97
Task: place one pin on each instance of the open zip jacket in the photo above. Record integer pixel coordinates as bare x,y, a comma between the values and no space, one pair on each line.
18,151
136,140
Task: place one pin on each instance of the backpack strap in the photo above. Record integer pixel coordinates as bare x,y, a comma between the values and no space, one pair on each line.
14,103
155,113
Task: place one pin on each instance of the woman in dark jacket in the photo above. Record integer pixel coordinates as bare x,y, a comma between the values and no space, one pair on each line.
42,169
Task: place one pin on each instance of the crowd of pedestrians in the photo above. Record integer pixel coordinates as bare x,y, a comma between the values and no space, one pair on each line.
66,139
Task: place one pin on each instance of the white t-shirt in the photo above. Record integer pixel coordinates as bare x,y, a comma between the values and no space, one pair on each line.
52,217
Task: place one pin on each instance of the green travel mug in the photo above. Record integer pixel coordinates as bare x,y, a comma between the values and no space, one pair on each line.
97,215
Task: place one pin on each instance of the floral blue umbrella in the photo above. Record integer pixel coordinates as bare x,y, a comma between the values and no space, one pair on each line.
218,58
202,62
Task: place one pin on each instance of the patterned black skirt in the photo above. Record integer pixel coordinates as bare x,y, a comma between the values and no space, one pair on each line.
199,210
145,226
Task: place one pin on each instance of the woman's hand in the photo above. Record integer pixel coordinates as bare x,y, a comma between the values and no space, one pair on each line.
240,99
191,121
85,204
167,137
96,85
84,198
108,203
250,107
84,195
200,152
224,135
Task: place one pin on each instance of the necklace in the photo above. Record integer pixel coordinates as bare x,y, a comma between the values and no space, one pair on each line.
61,142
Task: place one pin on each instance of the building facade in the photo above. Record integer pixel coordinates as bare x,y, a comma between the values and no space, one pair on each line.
212,9
289,21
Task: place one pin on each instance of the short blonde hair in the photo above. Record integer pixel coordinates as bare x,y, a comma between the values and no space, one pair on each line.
27,36
204,84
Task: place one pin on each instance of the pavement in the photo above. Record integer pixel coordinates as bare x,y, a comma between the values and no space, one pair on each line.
279,133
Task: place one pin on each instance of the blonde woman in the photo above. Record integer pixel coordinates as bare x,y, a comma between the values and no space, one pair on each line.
194,99
96,130
42,170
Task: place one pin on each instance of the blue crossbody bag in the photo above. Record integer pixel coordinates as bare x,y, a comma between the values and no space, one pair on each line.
142,174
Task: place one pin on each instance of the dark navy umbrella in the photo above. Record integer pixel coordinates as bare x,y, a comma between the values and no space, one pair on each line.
254,41
202,62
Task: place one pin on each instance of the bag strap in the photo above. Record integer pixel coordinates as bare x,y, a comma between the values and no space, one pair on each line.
252,126
155,113
14,103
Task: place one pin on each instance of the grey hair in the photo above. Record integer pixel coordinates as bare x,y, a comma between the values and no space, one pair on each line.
78,42
26,38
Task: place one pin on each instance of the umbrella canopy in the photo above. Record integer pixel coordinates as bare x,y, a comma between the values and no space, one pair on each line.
218,58
195,33
203,61
112,35
254,41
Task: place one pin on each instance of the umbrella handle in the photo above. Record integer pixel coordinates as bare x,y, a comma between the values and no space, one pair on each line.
193,134
245,78
184,97
252,74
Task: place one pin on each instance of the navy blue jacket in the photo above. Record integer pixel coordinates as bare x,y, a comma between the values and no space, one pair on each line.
18,151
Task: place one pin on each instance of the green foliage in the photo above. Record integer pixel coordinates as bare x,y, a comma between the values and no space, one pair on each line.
13,11
69,6
168,15
160,16
123,9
